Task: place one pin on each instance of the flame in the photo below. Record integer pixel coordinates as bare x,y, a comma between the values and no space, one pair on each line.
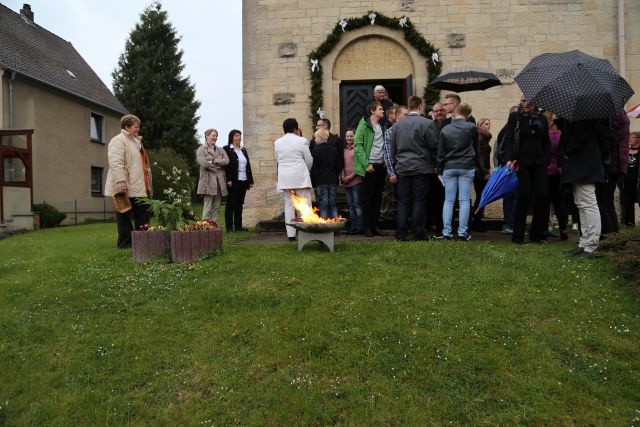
309,214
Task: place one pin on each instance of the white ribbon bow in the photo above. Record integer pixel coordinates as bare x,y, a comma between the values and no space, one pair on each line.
320,113
314,65
343,24
435,57
372,16
403,22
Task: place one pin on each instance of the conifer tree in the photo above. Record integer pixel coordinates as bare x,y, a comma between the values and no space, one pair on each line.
148,82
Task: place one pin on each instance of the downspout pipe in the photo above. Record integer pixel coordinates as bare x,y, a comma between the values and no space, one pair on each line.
13,76
621,39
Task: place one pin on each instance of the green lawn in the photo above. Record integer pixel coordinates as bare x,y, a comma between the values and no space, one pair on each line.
386,333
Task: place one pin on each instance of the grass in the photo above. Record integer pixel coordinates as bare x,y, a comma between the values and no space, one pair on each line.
386,333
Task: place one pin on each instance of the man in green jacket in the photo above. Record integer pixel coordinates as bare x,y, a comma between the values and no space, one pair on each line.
369,164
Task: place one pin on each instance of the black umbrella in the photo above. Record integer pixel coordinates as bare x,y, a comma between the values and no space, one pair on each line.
574,85
464,81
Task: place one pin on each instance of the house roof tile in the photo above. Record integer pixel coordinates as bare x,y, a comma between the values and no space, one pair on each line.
36,53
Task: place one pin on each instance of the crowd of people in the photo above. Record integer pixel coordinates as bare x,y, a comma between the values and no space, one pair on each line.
426,163
433,160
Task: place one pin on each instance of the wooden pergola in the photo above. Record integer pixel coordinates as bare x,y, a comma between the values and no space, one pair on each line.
13,152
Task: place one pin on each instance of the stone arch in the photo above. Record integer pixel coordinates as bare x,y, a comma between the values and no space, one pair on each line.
349,40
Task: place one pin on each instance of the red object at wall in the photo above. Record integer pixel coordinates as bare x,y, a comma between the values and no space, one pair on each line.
188,246
149,244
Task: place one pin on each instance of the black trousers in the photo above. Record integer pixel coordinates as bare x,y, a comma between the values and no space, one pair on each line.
435,203
412,193
235,202
533,186
132,220
605,196
557,198
372,188
478,185
629,196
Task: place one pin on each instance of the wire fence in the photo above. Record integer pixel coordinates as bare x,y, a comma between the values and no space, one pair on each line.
84,210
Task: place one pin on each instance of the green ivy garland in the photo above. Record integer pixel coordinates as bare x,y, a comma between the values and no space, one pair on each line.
426,49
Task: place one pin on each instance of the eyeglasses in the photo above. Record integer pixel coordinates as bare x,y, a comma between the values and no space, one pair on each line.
321,125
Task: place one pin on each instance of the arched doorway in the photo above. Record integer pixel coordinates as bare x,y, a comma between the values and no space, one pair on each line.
365,63
362,59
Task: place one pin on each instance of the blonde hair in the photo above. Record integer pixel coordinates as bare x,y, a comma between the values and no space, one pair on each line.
464,109
482,120
208,131
321,134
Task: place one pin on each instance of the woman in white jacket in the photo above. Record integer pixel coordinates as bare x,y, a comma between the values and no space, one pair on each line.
130,173
294,163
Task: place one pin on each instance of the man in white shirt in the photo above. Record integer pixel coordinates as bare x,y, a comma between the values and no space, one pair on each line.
294,163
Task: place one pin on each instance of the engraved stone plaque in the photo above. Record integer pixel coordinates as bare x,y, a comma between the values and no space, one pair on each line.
287,50
284,98
456,40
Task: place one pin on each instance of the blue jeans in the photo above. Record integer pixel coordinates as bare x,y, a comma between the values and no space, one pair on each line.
354,194
412,195
457,182
326,197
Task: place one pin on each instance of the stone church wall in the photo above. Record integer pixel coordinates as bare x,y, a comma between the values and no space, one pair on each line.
500,36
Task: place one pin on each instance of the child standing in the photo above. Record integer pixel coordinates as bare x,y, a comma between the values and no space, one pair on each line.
324,173
352,184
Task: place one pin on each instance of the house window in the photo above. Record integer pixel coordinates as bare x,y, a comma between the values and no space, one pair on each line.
96,126
96,180
14,170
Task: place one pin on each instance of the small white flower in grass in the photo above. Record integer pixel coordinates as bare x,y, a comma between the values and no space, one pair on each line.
372,17
435,58
403,22
343,24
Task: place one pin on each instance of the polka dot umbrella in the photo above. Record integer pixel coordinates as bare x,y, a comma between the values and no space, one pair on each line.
574,85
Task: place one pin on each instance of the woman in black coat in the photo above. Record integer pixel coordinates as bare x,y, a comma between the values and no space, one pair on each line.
527,148
239,180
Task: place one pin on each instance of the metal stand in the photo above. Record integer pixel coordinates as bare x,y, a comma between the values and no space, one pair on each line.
326,238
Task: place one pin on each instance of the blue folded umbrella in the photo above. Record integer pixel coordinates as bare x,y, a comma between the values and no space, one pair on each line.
501,182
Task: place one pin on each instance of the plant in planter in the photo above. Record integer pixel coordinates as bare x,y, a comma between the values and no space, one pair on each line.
188,241
149,242
194,240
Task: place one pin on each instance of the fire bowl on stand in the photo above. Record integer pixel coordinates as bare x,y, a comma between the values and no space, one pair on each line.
320,231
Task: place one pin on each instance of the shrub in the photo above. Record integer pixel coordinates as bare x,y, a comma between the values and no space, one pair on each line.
167,159
623,250
49,215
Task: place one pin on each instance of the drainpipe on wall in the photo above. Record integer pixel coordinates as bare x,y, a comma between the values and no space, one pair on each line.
13,76
1,97
621,54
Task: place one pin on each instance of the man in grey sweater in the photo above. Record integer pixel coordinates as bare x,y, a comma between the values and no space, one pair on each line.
413,145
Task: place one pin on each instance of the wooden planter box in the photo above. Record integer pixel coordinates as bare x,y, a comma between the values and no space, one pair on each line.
188,246
149,244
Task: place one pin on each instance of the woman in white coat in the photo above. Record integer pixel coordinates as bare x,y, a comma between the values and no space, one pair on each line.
212,184
294,163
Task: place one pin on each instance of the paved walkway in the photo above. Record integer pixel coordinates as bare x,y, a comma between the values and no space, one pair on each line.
268,238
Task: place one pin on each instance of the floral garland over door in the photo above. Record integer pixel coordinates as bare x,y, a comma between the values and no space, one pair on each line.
411,35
